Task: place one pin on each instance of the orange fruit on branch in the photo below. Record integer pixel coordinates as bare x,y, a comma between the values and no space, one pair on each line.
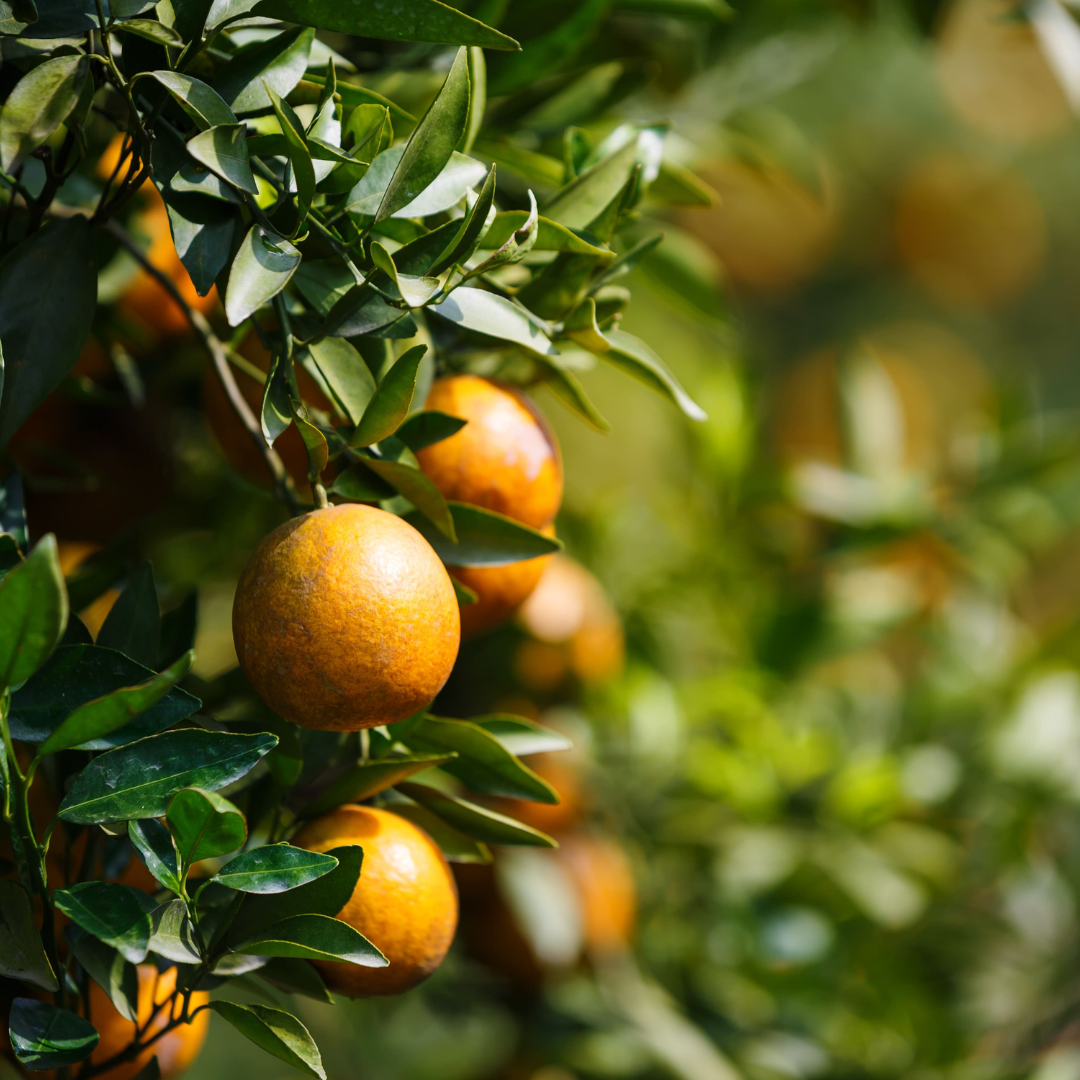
405,902
345,618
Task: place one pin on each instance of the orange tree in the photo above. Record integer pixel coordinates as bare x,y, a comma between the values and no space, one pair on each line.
336,186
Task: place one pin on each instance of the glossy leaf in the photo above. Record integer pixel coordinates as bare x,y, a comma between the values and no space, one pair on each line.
139,780
415,291
22,955
45,1037
202,233
473,227
368,778
550,236
444,191
277,1032
478,822
359,484
48,293
392,400
299,155
420,20
314,937
483,764
633,356
33,613
428,427
133,625
579,203
77,674
201,102
114,914
262,268
275,868
172,933
154,845
363,311
223,150
108,968
104,715
276,412
151,30
484,538
275,64
454,844
348,377
486,313
38,104
295,977
521,736
204,825
409,481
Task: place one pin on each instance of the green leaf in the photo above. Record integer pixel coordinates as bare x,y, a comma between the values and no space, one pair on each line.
275,64
363,311
114,914
153,844
484,538
78,674
476,821
298,153
455,845
483,764
432,142
223,150
39,103
262,268
368,778
392,400
137,781
202,232
318,450
409,481
415,291
419,20
108,968
678,186
359,484
173,934
534,168
33,613
565,386
478,97
204,825
580,326
463,594
22,956
48,293
445,190
486,313
277,1032
428,427
473,227
151,30
323,283
133,626
550,236
295,977
348,377
521,736
104,715
201,102
582,200
273,869
276,412
633,356
45,1037
519,244
314,937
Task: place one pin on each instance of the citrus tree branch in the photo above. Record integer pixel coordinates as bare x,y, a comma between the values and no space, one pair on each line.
283,484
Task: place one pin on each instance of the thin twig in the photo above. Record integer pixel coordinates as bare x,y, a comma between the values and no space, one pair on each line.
282,481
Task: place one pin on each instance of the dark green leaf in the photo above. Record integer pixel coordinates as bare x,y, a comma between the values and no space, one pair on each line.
274,869
22,956
428,427
223,150
484,538
298,153
137,781
579,203
33,613
201,102
476,821
45,1037
392,400
151,30
473,225
483,764
204,825
486,313
108,968
202,232
77,674
368,778
114,914
454,844
276,64
40,102
133,626
172,933
314,937
276,412
323,283
348,377
420,20
48,292
363,311
444,191
178,630
154,845
277,1032
359,484
409,481
295,977
521,736
262,268
415,291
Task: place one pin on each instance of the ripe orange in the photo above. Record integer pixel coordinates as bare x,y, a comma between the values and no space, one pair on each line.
345,618
506,457
500,590
405,902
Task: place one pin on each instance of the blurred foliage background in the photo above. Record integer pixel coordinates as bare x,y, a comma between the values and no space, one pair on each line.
823,673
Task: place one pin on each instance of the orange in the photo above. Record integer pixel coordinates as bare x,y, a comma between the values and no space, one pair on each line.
500,590
345,618
504,459
405,902
972,234
605,886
